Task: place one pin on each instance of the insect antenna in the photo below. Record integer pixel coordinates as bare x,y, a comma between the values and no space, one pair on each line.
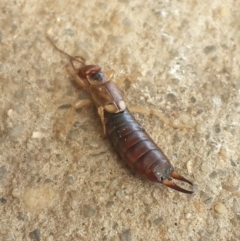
79,59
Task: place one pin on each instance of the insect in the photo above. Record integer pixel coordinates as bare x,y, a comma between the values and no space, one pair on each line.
133,144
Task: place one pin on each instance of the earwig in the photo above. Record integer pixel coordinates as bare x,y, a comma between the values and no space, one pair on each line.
133,144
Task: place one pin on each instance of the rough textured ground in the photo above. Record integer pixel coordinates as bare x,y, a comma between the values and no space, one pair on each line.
71,185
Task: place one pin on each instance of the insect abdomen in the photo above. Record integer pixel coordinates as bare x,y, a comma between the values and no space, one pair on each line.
136,147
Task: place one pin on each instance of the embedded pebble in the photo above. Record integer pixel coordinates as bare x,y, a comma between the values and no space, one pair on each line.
10,113
42,83
109,204
119,194
16,131
213,175
192,99
35,235
127,22
175,81
237,194
100,184
205,197
2,172
19,94
205,167
65,106
94,144
16,192
190,167
204,238
73,135
115,39
126,235
88,211
230,188
157,221
39,197
171,97
217,102
129,211
199,206
70,180
236,207
49,238
20,108
3,200
209,49
37,135
220,208
21,216
9,237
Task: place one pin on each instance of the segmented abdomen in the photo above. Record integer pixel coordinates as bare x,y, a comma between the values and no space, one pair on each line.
136,147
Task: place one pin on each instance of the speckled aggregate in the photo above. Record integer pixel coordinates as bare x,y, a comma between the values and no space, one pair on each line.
63,182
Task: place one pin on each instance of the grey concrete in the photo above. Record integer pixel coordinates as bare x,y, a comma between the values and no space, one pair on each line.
59,182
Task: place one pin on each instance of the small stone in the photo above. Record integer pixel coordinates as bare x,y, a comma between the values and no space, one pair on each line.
35,235
157,221
73,134
205,197
175,81
205,167
2,172
21,216
70,180
16,192
220,208
115,39
192,99
16,131
3,200
230,188
199,206
65,106
126,235
127,22
39,197
213,175
9,237
88,211
236,207
204,238
94,144
237,194
190,167
120,194
217,128
128,211
109,204
171,97
10,113
49,238
38,135
209,49
19,94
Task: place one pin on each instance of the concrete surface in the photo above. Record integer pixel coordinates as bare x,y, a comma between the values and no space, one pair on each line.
58,184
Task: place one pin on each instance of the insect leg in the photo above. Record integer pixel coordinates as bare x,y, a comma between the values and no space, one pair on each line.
121,80
146,111
77,105
101,114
